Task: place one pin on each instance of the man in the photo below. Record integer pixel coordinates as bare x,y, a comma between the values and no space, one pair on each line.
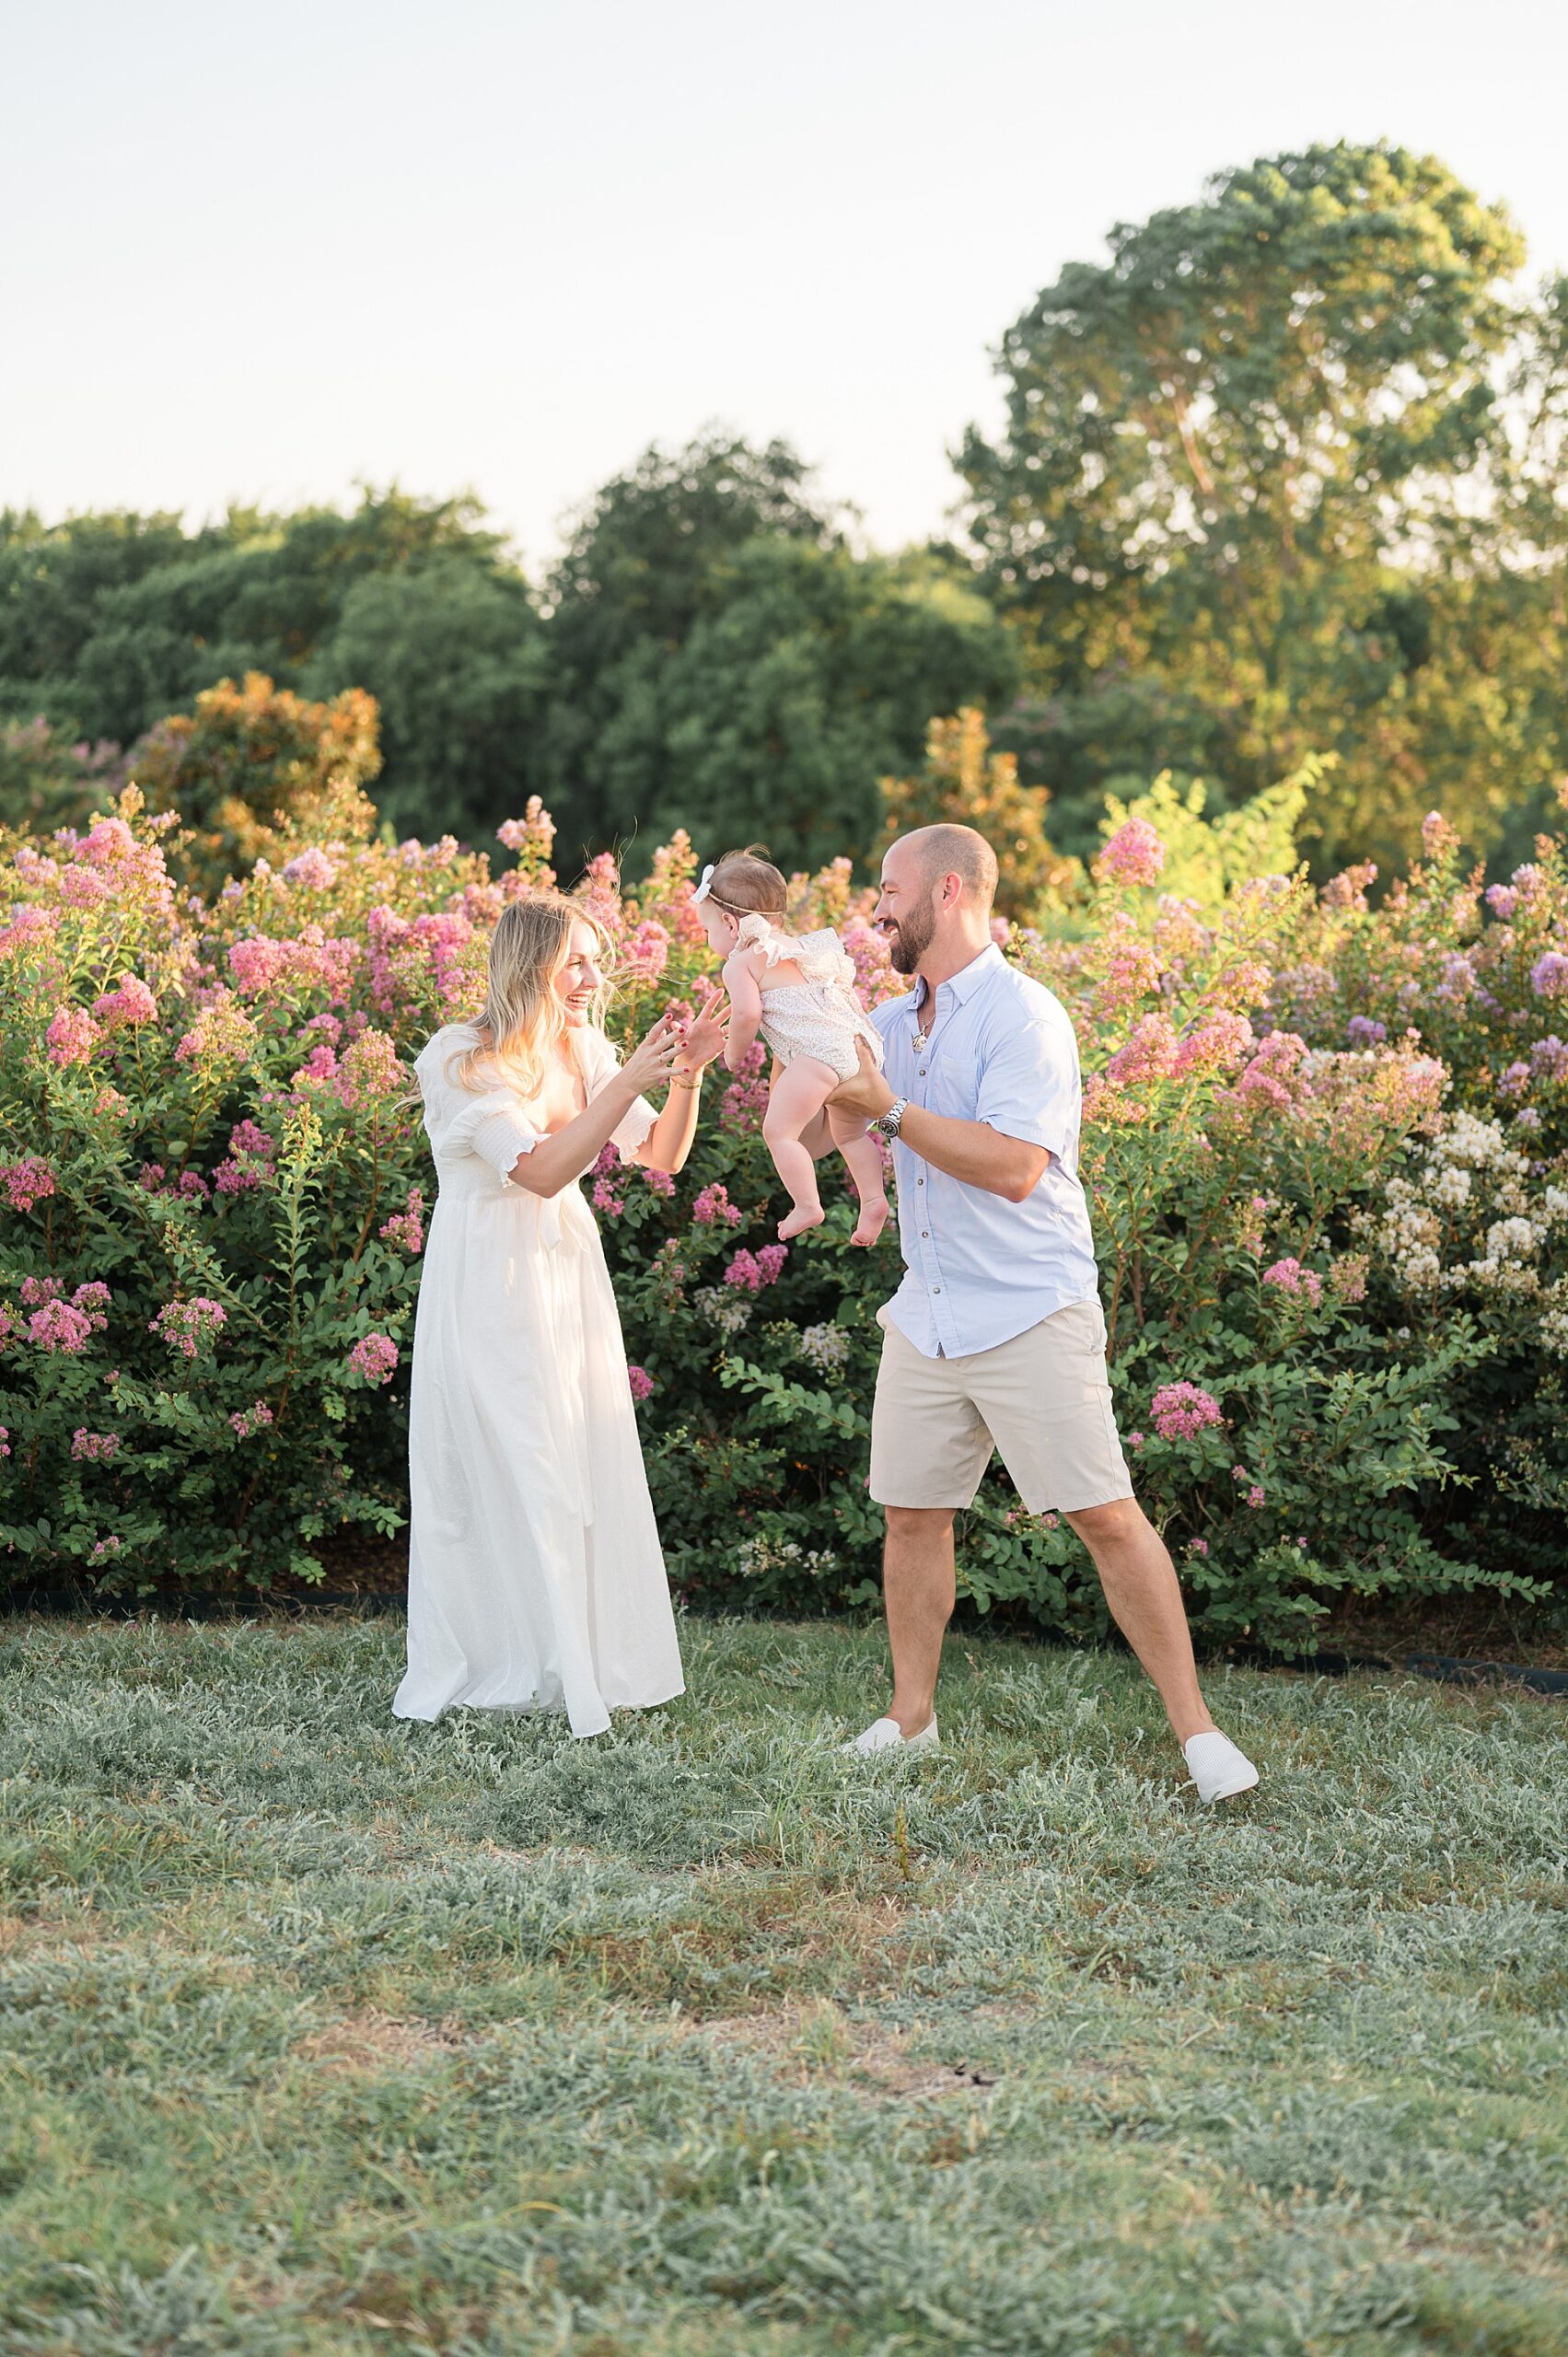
996,1334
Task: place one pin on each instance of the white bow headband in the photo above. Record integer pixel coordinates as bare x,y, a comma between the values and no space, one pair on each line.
706,886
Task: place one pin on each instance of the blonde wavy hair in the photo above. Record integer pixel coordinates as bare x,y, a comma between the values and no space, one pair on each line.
523,1022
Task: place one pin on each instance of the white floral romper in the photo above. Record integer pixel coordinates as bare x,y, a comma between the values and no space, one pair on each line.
822,1016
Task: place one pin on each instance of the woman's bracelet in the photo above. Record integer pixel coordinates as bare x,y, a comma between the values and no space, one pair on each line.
692,1080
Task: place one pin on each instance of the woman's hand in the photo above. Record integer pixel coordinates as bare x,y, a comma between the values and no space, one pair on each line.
704,1034
652,1058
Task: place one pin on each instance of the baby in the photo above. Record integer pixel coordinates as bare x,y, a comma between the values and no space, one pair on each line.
798,990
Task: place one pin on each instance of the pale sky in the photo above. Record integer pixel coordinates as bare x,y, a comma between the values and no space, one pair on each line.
256,253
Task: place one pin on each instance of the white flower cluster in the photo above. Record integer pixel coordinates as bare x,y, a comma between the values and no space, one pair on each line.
826,1347
725,1306
1462,1216
1554,1323
755,1556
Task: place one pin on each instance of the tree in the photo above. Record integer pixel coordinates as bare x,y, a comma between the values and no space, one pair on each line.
108,623
47,782
1240,462
964,781
455,654
256,765
722,661
638,571
814,674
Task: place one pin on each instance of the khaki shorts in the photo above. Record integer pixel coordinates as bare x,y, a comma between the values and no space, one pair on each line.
1043,1400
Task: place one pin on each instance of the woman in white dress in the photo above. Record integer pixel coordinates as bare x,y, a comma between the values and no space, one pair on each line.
536,1580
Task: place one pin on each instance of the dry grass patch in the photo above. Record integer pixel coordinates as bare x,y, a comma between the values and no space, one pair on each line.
807,2044
374,2042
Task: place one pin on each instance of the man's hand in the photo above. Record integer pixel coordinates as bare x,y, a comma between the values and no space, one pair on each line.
868,1093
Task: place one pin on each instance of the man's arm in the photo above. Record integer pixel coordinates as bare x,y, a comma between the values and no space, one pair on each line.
971,1151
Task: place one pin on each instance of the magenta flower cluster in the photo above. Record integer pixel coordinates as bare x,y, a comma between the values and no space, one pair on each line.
406,1228
641,1381
255,1418
94,1448
373,1358
1182,1411
27,1183
752,1270
188,1326
712,1204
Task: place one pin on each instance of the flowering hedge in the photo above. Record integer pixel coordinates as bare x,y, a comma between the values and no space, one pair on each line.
1327,1147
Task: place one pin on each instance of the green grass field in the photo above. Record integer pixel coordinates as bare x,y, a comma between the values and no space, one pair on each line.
323,2034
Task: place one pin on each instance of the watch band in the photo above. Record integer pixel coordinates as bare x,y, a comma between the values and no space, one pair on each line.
891,1121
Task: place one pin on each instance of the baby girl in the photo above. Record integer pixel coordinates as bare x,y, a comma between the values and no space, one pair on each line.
798,990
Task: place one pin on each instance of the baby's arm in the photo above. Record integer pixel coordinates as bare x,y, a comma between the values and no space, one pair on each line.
745,1005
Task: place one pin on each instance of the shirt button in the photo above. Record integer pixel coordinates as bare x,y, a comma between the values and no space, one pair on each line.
920,1182
926,1231
936,1288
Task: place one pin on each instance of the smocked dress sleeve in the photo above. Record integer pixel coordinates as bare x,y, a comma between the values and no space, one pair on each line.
459,1121
600,1062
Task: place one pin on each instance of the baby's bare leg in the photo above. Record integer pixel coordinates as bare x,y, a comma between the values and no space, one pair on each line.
798,1095
864,1156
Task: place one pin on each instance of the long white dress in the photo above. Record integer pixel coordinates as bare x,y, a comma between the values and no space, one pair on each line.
535,1579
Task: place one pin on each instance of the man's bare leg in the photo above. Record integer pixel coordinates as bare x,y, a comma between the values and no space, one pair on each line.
918,1589
1142,1590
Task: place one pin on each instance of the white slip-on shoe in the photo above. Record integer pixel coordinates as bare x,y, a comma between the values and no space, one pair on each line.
1219,1769
886,1735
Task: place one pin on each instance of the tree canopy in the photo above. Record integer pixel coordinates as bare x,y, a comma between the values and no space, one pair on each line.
1258,494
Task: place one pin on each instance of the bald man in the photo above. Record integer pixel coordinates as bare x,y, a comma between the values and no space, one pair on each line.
995,1337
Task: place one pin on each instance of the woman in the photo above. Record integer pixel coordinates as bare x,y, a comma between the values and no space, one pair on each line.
536,1580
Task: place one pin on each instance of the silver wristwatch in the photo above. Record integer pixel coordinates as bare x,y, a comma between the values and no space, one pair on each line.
891,1121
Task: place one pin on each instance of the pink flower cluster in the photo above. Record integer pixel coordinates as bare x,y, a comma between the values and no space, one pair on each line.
129,1003
94,1448
406,955
27,1183
712,1204
406,1228
57,1324
1182,1411
752,1270
313,960
72,1035
1135,854
609,1180
222,1034
1289,1276
1549,975
312,870
255,1418
188,1326
645,952
373,1357
641,1381
190,1186
249,1161
29,929
745,1101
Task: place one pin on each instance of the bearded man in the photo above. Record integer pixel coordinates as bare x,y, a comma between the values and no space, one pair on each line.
996,1337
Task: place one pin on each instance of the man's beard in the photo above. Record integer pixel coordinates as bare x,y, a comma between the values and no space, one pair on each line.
910,939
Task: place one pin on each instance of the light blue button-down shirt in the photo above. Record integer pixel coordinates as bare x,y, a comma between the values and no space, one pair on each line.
979,1269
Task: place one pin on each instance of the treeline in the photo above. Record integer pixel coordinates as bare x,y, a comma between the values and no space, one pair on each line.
1284,476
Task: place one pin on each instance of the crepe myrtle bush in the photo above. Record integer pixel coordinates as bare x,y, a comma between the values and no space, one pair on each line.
214,1199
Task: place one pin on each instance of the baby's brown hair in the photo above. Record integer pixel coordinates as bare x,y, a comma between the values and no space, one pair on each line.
744,882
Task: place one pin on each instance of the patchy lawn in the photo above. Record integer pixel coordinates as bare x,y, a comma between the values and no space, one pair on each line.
323,2034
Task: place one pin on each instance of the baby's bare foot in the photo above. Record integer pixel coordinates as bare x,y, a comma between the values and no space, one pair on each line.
872,1221
804,1215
